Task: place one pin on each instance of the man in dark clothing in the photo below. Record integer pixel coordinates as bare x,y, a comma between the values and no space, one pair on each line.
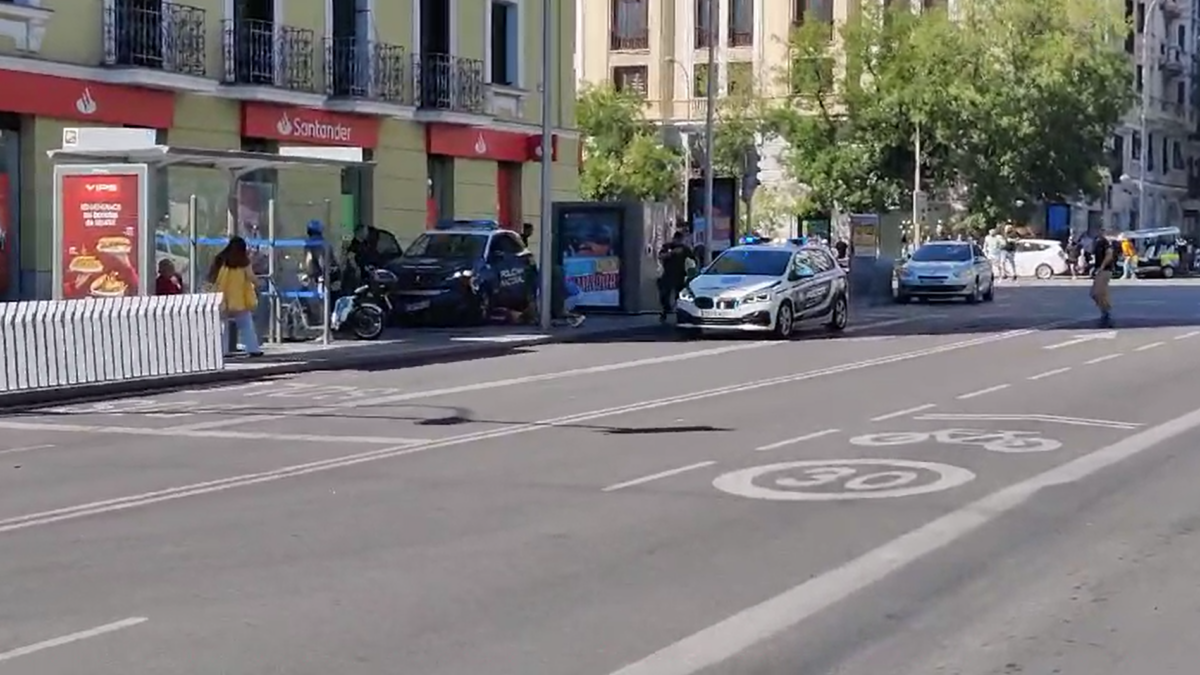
673,257
1105,257
526,233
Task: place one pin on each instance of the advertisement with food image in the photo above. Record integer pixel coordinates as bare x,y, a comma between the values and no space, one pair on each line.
100,221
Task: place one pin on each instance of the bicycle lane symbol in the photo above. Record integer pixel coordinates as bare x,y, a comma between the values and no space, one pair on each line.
1004,441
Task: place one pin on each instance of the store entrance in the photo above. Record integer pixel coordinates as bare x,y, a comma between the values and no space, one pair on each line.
10,261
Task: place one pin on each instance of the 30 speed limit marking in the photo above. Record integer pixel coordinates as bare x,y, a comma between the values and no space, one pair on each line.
842,479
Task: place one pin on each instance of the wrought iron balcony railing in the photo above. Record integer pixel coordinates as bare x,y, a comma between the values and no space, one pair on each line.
452,83
358,68
165,36
267,54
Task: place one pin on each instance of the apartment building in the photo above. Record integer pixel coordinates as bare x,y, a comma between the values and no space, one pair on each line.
1160,162
442,96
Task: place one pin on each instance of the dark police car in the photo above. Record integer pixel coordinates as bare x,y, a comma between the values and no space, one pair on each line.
460,271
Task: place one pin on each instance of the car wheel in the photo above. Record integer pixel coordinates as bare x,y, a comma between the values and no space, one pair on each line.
1044,272
367,322
990,294
839,316
976,293
785,321
1168,272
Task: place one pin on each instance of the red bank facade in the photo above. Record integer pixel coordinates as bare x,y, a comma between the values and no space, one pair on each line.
473,167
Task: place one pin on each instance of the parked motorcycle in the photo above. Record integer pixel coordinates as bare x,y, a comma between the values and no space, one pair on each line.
365,312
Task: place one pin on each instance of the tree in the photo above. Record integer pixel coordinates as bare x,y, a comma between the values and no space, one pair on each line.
623,157
739,121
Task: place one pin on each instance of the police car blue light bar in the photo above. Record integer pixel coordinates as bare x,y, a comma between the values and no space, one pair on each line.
480,225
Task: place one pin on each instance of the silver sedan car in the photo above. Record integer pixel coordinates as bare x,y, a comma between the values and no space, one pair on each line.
945,269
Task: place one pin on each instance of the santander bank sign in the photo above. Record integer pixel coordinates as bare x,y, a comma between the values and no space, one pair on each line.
309,125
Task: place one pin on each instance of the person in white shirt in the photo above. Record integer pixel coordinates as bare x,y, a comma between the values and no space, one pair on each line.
993,248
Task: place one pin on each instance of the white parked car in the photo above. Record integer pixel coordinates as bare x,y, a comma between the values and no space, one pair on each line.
1041,258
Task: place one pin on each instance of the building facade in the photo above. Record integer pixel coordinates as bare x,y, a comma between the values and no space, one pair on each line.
441,96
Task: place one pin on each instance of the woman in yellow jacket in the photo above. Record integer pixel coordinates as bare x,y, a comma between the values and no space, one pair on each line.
232,276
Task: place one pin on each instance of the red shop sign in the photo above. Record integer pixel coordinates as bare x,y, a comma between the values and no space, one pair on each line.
100,235
309,126
67,98
453,140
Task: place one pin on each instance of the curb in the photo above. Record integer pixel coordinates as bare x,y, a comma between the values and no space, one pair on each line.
24,400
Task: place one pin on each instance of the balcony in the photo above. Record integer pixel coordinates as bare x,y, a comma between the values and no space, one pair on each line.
360,69
166,37
449,83
1172,60
1172,8
265,54
629,40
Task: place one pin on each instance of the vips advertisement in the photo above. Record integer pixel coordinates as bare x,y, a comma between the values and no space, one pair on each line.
591,254
6,239
100,235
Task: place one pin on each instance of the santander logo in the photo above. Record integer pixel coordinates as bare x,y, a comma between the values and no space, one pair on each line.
85,104
480,146
300,128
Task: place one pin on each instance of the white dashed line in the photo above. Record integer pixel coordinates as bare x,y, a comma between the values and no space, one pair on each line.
1189,334
902,413
73,637
1102,359
1152,345
28,448
656,476
981,392
1048,373
798,439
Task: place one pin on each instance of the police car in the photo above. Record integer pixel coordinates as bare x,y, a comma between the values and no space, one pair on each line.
766,288
461,271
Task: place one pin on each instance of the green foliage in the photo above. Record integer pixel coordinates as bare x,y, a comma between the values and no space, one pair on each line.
623,155
1013,100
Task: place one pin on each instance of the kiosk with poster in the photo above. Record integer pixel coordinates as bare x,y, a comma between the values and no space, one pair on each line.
101,231
722,233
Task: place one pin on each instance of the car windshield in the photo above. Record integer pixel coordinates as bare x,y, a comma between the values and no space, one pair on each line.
942,253
751,262
447,245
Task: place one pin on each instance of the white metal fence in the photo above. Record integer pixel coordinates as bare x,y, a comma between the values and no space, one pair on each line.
64,343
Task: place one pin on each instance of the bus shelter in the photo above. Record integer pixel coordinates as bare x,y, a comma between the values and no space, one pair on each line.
114,220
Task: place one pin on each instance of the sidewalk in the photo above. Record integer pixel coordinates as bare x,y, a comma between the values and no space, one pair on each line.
398,348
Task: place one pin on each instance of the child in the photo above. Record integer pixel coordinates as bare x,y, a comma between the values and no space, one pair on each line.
168,282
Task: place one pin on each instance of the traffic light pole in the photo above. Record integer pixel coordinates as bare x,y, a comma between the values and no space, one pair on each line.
709,124
545,243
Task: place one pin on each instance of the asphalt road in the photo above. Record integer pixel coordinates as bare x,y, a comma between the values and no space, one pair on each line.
945,489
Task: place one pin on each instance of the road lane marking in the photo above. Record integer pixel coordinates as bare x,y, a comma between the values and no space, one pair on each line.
185,433
1048,373
655,476
1034,417
1148,347
1189,334
1102,359
797,439
214,486
982,392
73,637
754,625
1081,339
526,379
27,448
902,413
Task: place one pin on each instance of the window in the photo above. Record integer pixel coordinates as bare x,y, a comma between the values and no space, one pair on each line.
631,79
1177,156
700,80
447,245
1149,153
1141,78
1181,92
1141,18
704,16
741,23
630,25
1166,155
1181,37
506,244
505,44
977,252
740,79
757,262
1030,247
819,261
942,252
1135,146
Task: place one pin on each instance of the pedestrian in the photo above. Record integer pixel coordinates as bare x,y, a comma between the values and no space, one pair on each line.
672,259
526,234
571,294
1105,255
1074,250
168,281
231,276
993,248
1008,264
1129,260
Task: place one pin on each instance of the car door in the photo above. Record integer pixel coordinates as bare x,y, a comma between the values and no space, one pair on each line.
983,266
815,285
509,265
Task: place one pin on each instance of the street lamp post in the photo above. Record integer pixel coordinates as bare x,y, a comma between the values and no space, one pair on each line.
709,124
1146,80
545,245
